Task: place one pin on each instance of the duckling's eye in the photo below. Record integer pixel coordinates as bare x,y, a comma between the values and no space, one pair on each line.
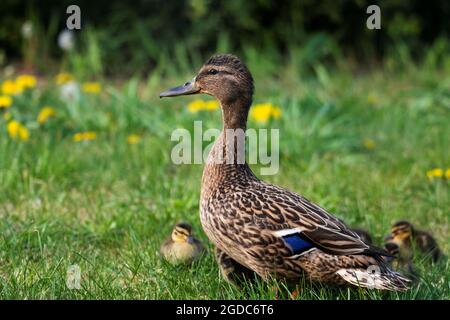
213,71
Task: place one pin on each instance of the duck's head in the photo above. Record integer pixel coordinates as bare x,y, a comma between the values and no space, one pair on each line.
182,232
402,231
225,77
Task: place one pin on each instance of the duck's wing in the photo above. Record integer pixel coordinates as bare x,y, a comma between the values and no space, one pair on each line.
286,214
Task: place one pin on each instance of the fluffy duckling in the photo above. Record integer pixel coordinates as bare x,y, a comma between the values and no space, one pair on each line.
181,247
401,259
408,238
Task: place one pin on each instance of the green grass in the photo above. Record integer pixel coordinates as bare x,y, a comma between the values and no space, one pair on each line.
106,205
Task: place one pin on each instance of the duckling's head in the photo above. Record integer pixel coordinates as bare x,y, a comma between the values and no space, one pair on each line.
392,248
182,232
223,76
402,231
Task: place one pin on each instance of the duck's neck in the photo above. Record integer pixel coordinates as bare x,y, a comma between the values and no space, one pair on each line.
232,139
226,160
235,113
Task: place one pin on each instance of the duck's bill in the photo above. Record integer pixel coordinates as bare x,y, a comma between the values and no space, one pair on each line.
388,237
187,88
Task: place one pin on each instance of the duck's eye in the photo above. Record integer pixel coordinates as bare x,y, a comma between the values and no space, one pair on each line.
213,71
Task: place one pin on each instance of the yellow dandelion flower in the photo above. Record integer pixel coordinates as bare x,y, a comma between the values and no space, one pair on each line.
200,105
260,113
10,87
63,78
5,101
77,137
447,173
13,128
84,136
26,81
369,144
211,105
92,87
276,112
196,105
24,134
263,112
90,135
45,113
133,139
17,130
435,173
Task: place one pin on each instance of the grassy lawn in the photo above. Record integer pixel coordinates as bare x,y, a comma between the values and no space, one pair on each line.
358,145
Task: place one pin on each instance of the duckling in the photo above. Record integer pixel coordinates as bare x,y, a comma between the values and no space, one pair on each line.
364,235
259,226
390,246
409,238
401,259
181,247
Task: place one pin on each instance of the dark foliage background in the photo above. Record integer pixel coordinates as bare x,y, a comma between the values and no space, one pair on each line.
135,33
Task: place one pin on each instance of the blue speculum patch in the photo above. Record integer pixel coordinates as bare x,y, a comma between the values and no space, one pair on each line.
297,243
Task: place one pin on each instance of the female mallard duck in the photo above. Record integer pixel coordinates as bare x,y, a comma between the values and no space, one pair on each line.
181,247
259,227
408,238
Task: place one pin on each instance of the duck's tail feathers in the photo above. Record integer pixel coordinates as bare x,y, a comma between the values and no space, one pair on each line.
374,279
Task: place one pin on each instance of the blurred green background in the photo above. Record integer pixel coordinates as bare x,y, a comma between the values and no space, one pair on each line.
120,37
